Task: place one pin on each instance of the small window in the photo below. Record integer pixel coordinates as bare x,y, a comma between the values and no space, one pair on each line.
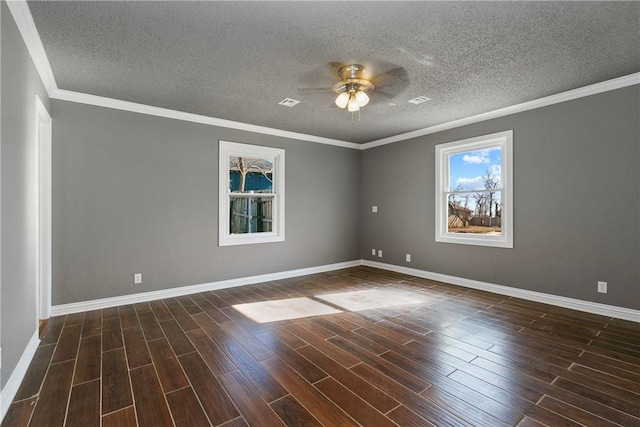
251,207
474,191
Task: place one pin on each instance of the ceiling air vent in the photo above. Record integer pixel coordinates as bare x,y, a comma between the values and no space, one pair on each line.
419,100
288,102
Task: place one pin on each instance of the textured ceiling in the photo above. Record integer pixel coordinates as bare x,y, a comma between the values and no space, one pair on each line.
237,60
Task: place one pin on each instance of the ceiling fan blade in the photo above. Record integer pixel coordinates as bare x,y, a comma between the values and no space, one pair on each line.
324,75
316,86
392,82
317,95
303,90
377,94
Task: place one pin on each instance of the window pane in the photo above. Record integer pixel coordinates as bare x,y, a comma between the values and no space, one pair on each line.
250,175
475,170
251,193
474,191
250,215
477,213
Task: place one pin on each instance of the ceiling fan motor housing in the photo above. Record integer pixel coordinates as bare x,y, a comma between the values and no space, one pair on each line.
352,80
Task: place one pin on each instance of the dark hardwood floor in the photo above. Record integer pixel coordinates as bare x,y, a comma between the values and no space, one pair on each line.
458,357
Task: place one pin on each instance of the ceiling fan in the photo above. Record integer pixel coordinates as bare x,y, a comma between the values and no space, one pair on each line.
352,88
355,87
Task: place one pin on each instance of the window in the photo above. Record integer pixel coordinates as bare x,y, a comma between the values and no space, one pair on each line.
251,207
474,191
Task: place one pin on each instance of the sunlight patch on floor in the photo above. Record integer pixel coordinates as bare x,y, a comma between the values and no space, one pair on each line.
370,298
291,308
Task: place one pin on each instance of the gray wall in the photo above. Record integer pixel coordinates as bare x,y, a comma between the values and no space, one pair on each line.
139,194
18,198
576,200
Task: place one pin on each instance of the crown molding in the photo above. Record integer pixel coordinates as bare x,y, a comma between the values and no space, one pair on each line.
101,101
24,21
618,83
609,85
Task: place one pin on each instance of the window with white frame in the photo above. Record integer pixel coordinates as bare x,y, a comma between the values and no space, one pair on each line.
251,205
474,191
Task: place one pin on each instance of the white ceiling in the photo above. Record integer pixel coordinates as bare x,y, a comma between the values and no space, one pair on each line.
237,60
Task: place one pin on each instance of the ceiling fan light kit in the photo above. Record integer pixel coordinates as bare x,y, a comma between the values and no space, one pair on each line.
353,87
342,99
362,99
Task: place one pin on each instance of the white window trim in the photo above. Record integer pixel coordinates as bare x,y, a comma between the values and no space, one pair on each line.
228,149
505,141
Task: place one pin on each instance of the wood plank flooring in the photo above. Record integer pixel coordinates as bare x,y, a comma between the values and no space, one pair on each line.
455,357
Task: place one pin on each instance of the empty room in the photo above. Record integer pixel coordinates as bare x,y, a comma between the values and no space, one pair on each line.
305,213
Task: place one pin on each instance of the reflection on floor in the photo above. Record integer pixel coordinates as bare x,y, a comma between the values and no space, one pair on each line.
296,308
371,298
284,309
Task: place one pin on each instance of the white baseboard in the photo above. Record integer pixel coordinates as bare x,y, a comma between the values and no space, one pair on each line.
98,304
572,303
11,388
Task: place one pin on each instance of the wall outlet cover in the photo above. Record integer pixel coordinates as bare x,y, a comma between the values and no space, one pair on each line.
602,287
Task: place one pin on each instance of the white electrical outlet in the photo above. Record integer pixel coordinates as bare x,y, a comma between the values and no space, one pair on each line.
137,278
408,258
602,287
379,253
373,252
374,209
